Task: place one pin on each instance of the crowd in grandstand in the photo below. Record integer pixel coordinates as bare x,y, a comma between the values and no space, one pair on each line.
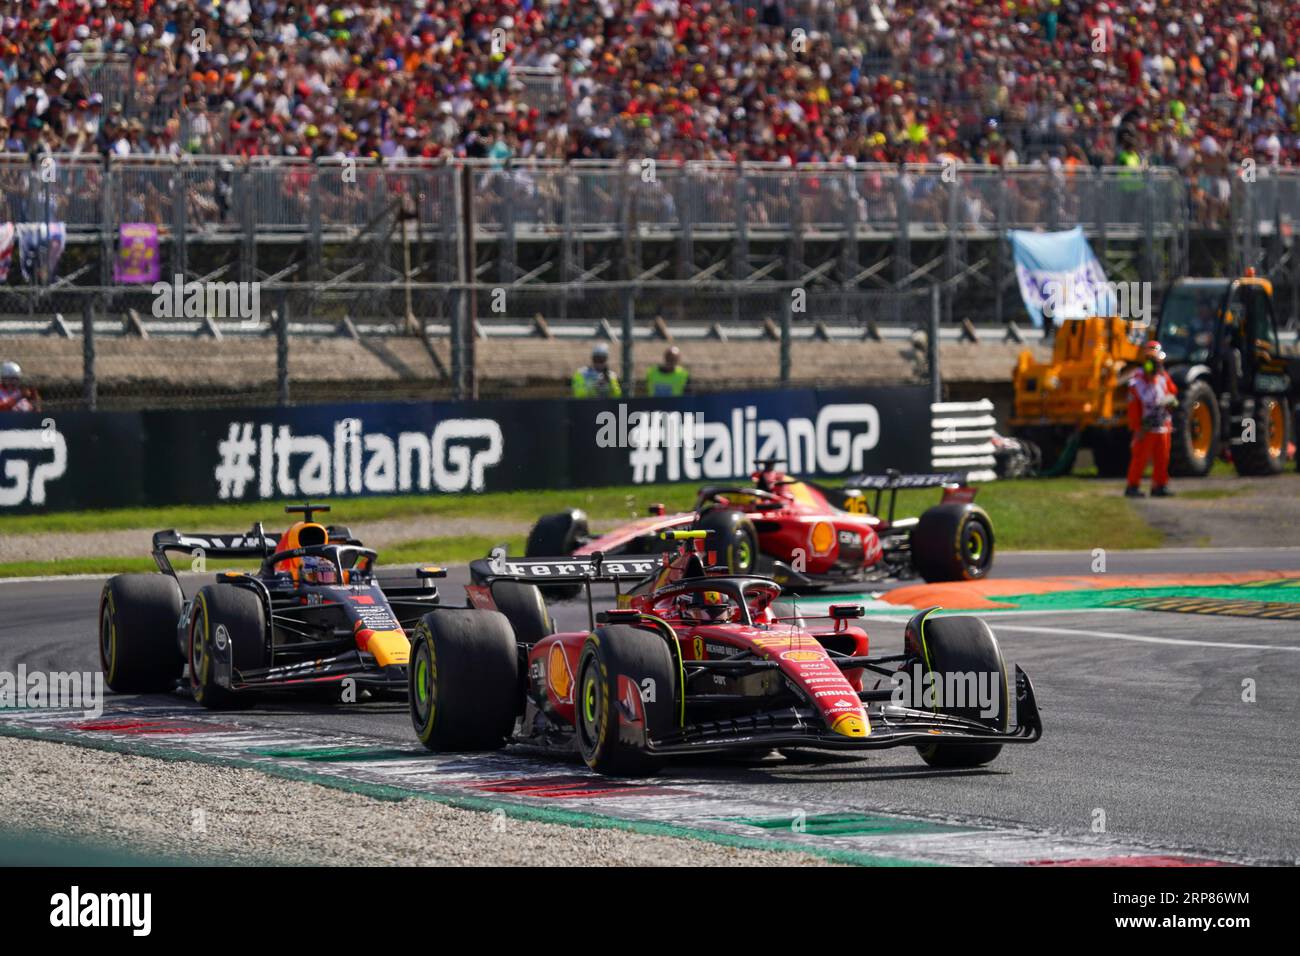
1198,84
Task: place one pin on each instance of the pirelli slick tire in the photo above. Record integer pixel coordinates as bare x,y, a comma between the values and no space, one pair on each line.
953,542
227,623
1194,440
525,608
558,535
1266,455
138,616
626,690
464,688
734,541
964,647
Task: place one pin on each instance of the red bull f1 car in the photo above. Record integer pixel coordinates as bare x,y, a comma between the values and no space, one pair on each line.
804,534
695,659
312,616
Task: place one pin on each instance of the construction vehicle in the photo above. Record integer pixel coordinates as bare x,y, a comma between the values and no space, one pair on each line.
1236,390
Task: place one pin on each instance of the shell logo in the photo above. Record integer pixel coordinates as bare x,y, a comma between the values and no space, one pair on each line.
558,674
822,538
802,657
850,725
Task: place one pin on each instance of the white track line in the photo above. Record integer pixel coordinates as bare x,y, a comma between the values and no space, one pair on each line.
1283,549
1141,639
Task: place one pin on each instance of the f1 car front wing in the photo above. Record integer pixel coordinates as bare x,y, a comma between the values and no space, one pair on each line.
891,726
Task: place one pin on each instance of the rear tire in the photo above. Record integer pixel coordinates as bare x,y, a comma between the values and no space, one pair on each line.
524,608
1194,443
965,645
621,663
227,621
558,535
464,680
138,616
953,542
1266,455
734,541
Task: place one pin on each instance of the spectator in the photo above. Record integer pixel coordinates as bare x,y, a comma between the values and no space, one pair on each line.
669,378
597,380
669,78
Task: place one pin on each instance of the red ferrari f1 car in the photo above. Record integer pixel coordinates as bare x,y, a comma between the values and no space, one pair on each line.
696,659
312,616
803,534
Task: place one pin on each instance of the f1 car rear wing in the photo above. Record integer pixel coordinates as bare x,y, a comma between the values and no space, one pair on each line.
954,484
249,544
892,480
584,571
572,570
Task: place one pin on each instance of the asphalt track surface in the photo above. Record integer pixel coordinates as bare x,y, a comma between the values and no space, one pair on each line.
1143,713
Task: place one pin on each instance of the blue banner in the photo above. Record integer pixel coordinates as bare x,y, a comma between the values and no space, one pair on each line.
1059,276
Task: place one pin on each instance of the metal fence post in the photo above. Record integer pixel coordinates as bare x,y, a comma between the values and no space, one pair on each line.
282,350
902,242
466,381
1000,281
629,315
89,384
179,223
108,180
787,305
457,323
950,245
1148,229
315,267
932,346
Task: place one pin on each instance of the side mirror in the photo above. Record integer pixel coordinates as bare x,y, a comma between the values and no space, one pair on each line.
622,615
847,612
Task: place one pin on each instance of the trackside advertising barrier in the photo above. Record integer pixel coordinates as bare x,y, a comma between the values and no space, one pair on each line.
76,460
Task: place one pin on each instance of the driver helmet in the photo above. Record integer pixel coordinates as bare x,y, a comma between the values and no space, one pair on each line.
318,570
705,607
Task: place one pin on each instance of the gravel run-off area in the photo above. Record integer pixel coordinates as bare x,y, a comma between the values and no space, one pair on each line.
200,813
137,542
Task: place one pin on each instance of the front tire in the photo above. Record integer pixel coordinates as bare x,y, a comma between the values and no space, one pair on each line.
953,542
962,645
463,680
138,615
626,692
227,623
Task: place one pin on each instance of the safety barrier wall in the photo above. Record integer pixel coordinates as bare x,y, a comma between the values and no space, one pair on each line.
962,438
78,460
